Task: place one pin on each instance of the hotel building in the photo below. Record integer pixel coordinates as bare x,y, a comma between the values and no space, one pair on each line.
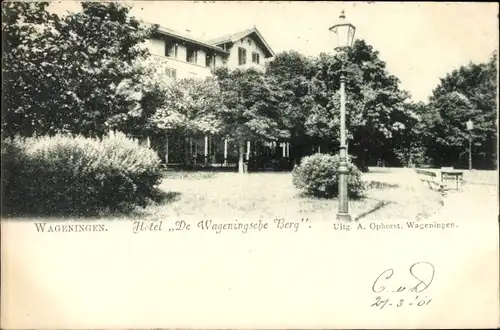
185,56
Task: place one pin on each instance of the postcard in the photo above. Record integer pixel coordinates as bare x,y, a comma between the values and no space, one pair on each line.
249,165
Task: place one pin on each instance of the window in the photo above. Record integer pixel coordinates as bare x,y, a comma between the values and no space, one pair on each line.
191,55
210,61
255,57
171,49
242,56
171,73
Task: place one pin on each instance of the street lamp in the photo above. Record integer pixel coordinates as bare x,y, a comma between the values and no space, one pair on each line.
470,126
343,34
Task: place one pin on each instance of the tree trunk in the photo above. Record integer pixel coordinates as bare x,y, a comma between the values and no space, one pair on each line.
187,150
241,155
166,150
225,151
297,150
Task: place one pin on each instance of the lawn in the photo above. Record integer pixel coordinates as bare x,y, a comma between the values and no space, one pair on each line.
394,194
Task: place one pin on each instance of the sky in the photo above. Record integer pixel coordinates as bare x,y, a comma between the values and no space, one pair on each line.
420,41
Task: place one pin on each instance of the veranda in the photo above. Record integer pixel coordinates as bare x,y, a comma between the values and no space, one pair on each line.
211,151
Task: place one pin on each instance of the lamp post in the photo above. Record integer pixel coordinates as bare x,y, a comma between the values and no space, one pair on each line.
470,126
343,34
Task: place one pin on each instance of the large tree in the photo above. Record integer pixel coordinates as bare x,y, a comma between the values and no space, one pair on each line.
406,144
375,104
67,74
189,109
250,109
290,73
468,93
24,25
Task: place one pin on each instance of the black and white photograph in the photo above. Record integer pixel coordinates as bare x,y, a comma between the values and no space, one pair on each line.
247,165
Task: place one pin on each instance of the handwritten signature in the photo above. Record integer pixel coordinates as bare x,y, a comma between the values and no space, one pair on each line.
400,295
421,272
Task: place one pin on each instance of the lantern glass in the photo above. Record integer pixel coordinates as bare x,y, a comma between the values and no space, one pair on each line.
342,33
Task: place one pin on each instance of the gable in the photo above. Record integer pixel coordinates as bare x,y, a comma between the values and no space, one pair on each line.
252,45
250,34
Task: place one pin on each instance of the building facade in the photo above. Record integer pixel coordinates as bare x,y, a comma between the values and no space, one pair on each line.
187,57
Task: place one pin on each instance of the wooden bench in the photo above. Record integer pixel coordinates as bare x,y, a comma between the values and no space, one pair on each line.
431,178
450,174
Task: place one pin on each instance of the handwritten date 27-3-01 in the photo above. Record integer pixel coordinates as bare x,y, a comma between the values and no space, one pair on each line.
418,301
404,293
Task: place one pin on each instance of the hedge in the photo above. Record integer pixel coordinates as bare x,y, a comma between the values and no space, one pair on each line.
66,174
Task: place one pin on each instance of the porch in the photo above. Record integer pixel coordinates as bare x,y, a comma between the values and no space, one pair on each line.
217,153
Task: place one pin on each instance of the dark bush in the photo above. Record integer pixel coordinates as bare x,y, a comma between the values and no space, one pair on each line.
13,160
360,163
317,175
64,174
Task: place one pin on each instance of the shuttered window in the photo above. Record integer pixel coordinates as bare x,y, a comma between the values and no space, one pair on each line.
242,56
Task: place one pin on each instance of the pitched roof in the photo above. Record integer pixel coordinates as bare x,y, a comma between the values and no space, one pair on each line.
241,34
187,37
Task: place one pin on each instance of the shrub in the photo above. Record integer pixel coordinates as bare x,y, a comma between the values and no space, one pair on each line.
13,157
317,175
63,174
